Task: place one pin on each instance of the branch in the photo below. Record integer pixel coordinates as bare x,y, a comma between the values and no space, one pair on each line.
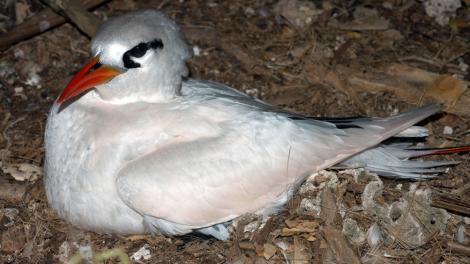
77,13
458,248
42,21
451,202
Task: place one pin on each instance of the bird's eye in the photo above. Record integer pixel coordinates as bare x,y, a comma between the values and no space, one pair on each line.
139,51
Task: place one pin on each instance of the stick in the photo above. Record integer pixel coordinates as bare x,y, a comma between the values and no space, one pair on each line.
458,248
451,202
42,21
77,13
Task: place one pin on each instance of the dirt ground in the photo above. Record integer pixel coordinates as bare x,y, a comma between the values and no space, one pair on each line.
320,58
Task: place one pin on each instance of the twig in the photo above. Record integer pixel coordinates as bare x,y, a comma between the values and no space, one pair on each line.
77,13
432,62
451,202
458,248
42,21
162,4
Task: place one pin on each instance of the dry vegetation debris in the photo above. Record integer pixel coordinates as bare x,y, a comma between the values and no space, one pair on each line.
321,58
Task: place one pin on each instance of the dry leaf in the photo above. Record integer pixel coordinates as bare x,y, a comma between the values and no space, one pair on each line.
364,19
13,239
290,231
446,89
22,10
297,226
307,225
12,192
310,238
23,171
298,13
288,33
406,82
269,250
339,245
328,206
299,52
410,74
323,244
301,252
246,245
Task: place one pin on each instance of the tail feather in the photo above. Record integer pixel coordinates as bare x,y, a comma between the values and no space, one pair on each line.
425,163
406,176
442,151
380,129
431,170
393,161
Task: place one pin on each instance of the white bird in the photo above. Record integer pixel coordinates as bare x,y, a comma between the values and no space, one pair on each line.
149,150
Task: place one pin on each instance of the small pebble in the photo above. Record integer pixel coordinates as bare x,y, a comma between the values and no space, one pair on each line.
142,253
196,51
466,220
374,235
18,53
44,25
461,236
249,11
462,65
448,130
19,89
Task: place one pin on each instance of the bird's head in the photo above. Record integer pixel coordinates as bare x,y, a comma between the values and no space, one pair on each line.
137,56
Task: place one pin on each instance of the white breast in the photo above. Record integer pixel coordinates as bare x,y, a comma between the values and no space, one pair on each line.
80,180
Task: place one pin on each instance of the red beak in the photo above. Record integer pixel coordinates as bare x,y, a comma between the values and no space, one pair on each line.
91,75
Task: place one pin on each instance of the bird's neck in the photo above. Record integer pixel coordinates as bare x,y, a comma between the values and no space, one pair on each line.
151,88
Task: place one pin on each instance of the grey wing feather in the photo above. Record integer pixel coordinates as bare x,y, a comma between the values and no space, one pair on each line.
257,155
385,160
221,92
394,161
390,160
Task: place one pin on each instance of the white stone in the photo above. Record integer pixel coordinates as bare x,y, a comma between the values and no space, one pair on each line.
374,235
461,236
448,130
196,51
442,10
353,232
142,254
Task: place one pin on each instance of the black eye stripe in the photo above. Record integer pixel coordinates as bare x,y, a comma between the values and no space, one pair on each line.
128,62
156,44
139,51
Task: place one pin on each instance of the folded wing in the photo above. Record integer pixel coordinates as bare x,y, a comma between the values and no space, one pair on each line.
251,165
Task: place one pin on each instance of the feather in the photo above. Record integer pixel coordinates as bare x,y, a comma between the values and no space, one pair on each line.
394,161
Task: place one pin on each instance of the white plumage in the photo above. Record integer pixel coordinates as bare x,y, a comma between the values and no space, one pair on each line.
151,151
